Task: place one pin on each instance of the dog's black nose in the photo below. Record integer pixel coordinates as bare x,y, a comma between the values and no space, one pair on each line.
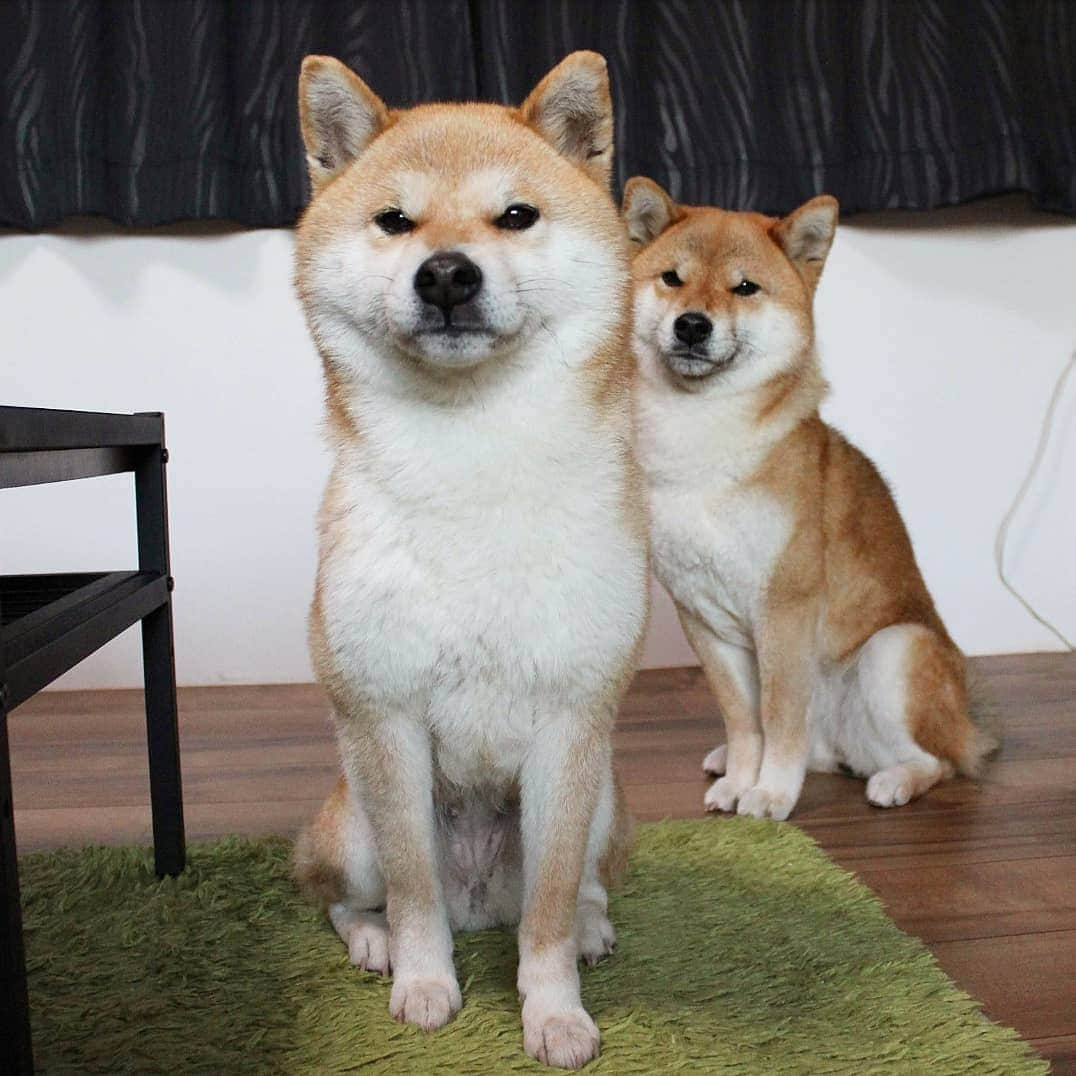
692,328
446,279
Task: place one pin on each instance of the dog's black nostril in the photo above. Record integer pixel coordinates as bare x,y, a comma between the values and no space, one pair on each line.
692,328
447,279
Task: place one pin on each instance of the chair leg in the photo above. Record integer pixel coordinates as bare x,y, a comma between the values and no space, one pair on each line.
159,667
16,1052
162,729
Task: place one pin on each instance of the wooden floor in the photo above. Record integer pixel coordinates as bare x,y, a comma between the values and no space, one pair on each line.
984,873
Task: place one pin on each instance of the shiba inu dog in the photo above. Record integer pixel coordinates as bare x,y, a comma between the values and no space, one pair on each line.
482,584
779,542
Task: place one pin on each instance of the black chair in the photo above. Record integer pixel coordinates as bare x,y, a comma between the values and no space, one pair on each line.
48,623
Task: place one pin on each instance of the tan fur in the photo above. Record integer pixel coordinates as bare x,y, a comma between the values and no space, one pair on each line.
851,557
549,919
318,857
614,861
847,569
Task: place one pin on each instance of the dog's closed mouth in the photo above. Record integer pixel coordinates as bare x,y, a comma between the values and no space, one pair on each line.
692,364
456,323
455,330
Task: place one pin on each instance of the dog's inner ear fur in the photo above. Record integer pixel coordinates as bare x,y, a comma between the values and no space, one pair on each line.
647,210
339,114
806,235
571,108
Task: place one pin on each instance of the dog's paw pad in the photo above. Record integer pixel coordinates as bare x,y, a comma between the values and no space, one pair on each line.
759,802
565,1040
722,795
716,761
426,1003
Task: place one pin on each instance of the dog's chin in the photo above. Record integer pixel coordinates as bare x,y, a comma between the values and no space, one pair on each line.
696,365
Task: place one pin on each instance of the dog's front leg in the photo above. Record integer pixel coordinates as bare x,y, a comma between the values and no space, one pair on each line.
389,764
559,789
786,659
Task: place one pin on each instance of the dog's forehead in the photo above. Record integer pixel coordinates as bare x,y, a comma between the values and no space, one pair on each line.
453,158
426,192
716,233
458,140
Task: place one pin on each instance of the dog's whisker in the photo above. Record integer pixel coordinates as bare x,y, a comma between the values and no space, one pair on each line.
556,340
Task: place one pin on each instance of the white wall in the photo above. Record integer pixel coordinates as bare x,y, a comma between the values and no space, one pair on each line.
942,334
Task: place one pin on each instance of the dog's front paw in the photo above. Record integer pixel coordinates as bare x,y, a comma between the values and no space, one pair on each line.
716,761
723,794
429,1003
596,937
564,1038
759,802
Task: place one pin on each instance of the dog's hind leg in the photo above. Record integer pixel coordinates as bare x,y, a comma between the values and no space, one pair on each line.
366,935
607,854
896,785
336,867
716,762
907,681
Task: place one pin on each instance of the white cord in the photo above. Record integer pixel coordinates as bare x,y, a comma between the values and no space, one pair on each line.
1003,529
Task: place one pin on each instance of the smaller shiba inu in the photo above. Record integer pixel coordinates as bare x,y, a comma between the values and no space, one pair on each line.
780,543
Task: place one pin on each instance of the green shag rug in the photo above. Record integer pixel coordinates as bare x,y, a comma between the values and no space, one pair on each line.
742,949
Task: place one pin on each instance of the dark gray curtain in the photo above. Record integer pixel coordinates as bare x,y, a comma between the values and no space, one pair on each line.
148,111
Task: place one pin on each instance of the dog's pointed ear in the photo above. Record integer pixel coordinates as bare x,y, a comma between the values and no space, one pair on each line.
339,115
572,109
806,235
647,210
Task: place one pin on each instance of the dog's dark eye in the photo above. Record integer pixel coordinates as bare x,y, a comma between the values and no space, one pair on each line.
394,222
517,217
672,278
746,287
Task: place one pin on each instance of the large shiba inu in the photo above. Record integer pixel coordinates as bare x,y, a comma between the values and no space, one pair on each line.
482,585
779,542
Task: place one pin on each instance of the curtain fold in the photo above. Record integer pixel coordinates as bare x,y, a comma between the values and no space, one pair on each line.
150,111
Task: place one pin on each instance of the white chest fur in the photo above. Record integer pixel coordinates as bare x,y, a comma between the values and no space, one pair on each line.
714,554
478,566
714,536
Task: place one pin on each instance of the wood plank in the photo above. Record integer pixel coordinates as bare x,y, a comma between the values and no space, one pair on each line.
1060,1051
1027,980
62,827
980,900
